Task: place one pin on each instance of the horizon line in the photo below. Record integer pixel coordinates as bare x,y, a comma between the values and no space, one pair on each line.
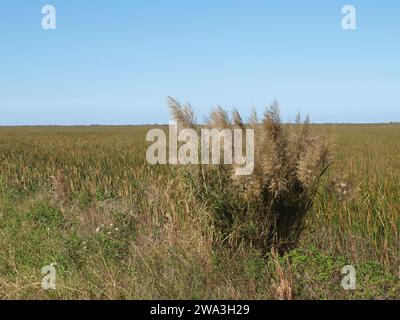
166,124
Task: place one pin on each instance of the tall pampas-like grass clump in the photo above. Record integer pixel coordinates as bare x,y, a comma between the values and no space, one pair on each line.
266,210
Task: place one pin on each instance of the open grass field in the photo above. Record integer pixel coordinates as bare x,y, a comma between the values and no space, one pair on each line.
86,200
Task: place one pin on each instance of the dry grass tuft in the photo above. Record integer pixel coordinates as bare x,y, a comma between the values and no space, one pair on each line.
283,286
59,188
268,208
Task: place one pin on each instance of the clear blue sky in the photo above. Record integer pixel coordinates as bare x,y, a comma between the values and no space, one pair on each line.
114,62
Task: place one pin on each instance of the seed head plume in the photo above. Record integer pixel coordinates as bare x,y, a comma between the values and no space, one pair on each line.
183,115
272,123
237,119
219,118
253,119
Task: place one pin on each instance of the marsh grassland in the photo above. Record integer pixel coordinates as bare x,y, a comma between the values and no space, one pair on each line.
86,199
